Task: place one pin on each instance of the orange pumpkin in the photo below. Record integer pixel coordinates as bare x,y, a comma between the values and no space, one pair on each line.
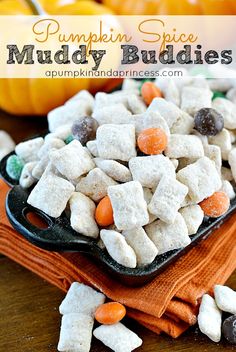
172,7
25,96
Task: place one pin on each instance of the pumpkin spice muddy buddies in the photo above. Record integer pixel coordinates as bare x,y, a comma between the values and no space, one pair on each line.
211,320
81,306
139,169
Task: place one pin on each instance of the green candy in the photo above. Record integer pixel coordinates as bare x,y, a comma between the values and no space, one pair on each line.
69,139
14,167
217,94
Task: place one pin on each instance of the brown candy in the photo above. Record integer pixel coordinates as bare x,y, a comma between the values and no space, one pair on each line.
208,122
229,329
85,130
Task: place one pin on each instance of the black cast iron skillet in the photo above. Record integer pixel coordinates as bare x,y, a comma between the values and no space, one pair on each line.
59,236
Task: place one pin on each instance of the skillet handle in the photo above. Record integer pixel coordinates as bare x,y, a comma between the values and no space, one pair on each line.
58,236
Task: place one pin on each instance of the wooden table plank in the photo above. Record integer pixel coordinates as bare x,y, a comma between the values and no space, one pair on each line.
30,320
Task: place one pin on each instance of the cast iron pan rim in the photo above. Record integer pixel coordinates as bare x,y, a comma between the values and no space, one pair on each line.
45,243
149,269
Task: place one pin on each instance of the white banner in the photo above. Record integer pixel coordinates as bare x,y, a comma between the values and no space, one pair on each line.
116,46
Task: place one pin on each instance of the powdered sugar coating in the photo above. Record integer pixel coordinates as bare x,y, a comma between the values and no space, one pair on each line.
112,114
201,178
72,161
51,195
129,206
225,298
28,151
114,169
150,119
167,237
76,333
95,184
193,217
184,146
82,215
81,298
143,247
116,142
194,99
150,169
118,248
209,318
118,337
167,199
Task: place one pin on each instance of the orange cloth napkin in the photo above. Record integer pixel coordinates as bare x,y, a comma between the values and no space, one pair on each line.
168,304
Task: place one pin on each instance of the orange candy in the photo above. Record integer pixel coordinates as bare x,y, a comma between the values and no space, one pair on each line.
110,313
216,205
149,91
104,212
152,141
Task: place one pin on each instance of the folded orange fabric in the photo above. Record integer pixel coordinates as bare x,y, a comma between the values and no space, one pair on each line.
167,304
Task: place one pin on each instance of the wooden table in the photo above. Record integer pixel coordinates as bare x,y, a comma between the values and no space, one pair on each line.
29,318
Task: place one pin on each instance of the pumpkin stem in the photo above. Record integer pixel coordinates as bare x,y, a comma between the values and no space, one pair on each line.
35,7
